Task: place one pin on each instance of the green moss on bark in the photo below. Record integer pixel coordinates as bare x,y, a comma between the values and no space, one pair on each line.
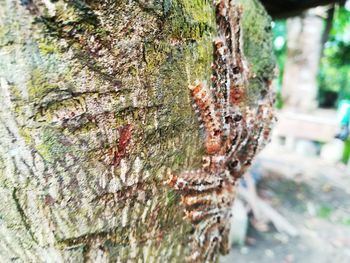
257,44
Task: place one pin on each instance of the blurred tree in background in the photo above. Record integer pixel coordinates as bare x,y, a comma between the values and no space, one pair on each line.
334,74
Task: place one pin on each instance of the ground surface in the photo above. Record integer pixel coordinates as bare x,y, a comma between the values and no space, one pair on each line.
315,197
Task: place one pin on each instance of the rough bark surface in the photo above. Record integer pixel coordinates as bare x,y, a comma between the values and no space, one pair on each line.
95,113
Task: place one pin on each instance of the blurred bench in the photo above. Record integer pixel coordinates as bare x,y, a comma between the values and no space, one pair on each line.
321,126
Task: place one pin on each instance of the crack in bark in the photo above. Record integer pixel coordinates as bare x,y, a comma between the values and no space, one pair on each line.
88,239
24,217
60,96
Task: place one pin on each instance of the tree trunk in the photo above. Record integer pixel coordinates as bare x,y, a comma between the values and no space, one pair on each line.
96,122
303,59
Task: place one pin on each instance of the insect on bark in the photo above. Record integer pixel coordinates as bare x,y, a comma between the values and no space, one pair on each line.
234,133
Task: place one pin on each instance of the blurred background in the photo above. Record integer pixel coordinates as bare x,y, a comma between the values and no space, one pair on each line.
294,204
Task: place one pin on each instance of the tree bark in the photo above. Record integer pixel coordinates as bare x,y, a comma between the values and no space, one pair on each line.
95,114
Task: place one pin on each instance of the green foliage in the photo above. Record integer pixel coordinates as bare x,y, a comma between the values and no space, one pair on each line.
324,212
280,50
346,155
335,65
345,221
280,44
